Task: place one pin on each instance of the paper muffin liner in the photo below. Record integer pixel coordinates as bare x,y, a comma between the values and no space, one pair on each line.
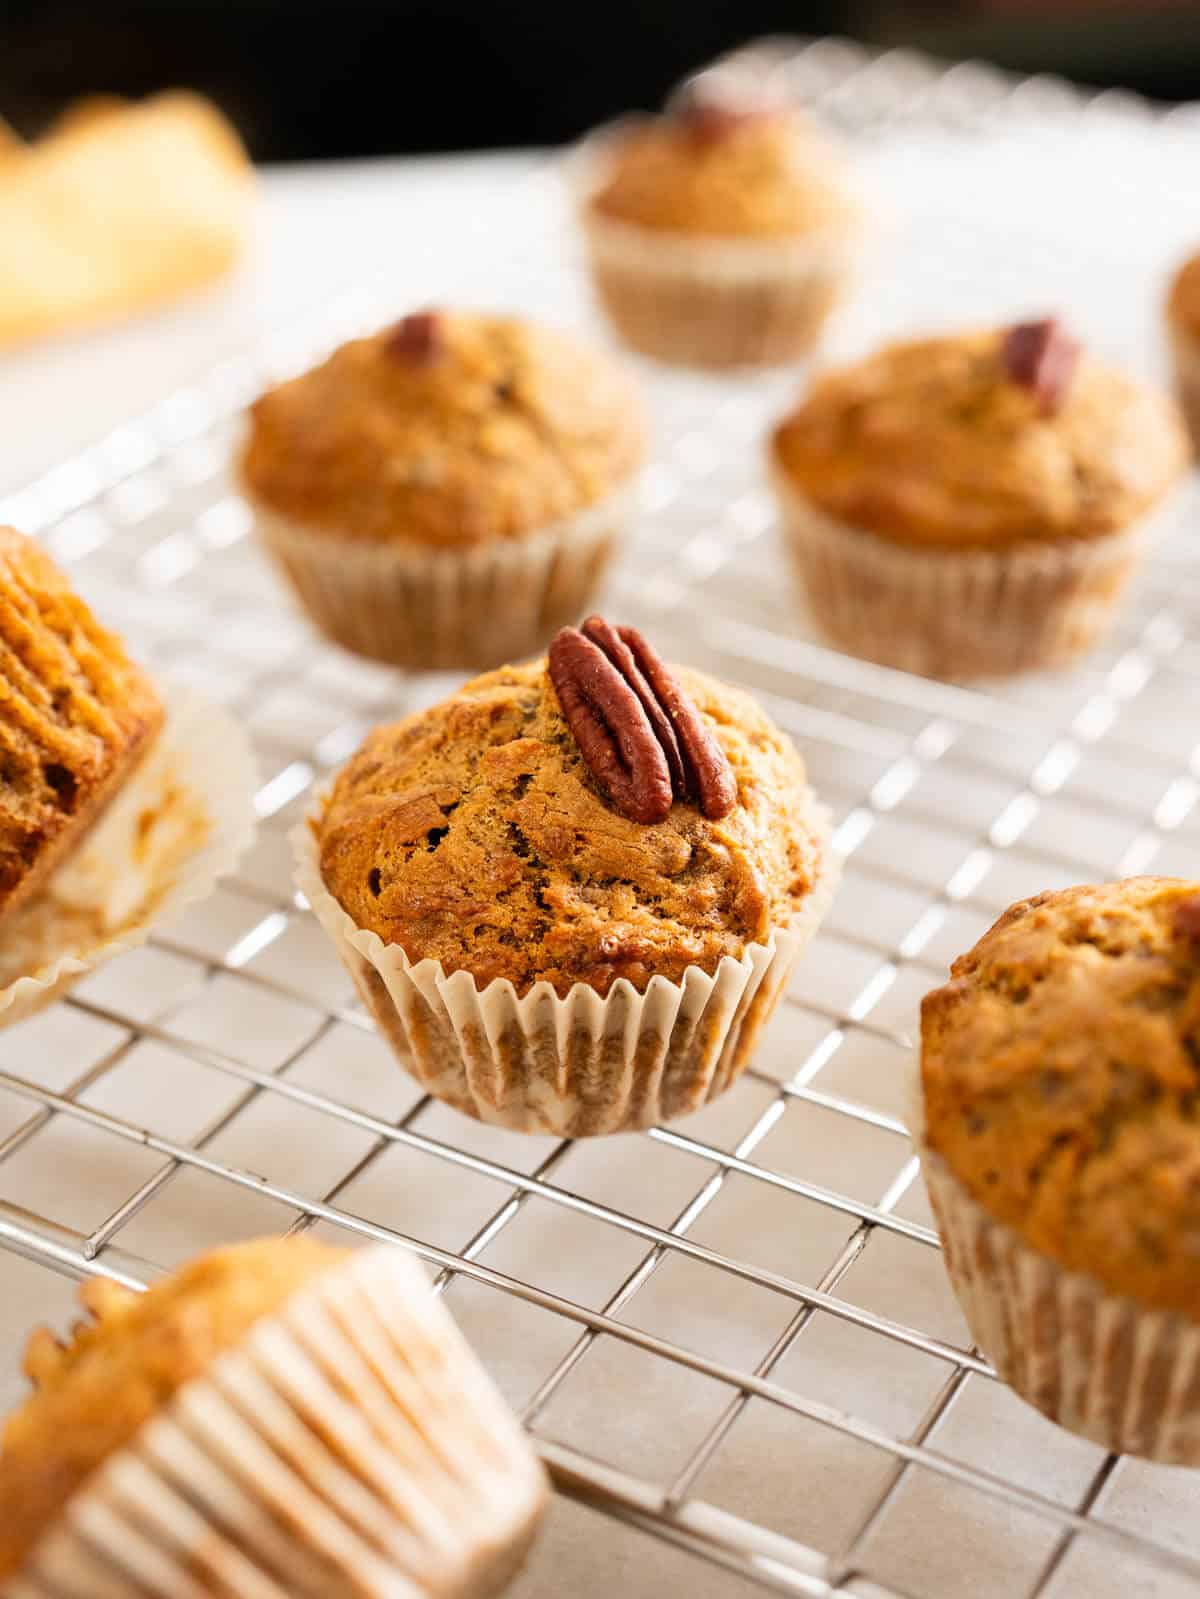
1124,1376
957,614
715,303
576,1066
437,610
350,1448
1185,350
183,819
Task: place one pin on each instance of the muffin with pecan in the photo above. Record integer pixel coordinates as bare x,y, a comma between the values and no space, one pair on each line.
973,504
721,234
570,894
1061,1149
278,1417
1183,327
448,491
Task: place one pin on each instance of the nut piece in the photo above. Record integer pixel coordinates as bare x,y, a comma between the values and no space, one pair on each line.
649,701
710,113
1041,357
1187,918
611,728
416,339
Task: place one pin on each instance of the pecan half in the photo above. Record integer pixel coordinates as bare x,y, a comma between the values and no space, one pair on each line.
695,765
416,339
610,727
1187,918
1041,357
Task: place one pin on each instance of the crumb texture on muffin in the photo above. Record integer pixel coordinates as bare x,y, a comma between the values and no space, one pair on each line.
1061,1077
473,834
121,1366
77,714
1183,301
498,429
769,177
931,443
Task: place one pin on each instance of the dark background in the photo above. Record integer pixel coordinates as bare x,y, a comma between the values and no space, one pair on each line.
350,77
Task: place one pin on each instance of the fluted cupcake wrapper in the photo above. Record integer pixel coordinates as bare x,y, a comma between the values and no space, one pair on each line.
574,1066
184,818
351,1448
1185,350
957,613
430,609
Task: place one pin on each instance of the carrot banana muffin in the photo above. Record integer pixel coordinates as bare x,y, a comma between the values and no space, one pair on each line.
1183,326
720,234
448,491
571,892
277,1417
1061,1145
975,503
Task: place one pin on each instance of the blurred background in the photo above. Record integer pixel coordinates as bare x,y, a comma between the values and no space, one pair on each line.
374,77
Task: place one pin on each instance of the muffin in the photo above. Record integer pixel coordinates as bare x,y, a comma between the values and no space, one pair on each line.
973,504
447,492
720,235
1061,1149
112,812
1183,326
276,1418
571,893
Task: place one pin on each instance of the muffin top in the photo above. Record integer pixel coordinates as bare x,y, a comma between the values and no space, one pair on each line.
749,172
1061,1073
476,834
1183,303
75,716
447,430
93,1394
957,442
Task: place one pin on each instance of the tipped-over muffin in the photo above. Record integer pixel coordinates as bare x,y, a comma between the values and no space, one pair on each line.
277,1417
720,234
447,491
584,847
973,503
1062,1148
76,717
1183,327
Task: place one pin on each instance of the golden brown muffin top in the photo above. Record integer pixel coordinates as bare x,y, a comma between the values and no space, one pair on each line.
1061,1073
932,443
93,1394
448,430
759,175
75,716
473,834
1183,303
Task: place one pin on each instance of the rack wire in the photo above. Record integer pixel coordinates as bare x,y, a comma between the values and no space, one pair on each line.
733,1333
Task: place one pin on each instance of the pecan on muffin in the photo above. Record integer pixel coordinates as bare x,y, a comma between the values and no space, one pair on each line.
1183,327
973,504
276,1418
1061,1148
570,894
448,491
720,234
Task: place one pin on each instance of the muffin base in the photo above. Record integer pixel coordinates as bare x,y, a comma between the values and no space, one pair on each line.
1101,1366
443,610
572,1067
1185,350
956,614
716,304
351,1448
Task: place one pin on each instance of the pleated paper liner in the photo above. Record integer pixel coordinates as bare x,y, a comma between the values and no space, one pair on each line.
1185,350
957,614
183,819
434,609
574,1066
1099,1365
351,1448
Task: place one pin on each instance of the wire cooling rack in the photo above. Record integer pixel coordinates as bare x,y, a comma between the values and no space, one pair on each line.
733,1334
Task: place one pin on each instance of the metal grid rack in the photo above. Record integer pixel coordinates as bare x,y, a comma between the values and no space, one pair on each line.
733,1333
